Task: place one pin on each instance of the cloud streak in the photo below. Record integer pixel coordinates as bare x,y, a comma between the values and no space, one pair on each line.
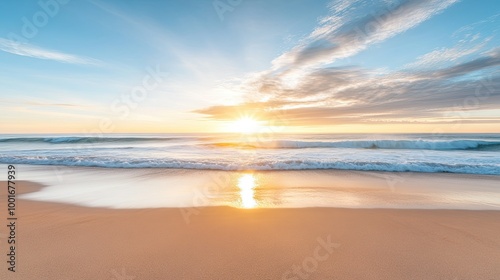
304,86
344,33
446,55
346,95
28,50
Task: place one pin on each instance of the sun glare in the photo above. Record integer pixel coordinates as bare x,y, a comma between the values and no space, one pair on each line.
246,184
246,125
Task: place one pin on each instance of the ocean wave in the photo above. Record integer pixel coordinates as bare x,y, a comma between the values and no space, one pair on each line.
417,166
406,144
367,144
71,140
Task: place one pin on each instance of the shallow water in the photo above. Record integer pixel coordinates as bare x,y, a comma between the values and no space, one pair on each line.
156,188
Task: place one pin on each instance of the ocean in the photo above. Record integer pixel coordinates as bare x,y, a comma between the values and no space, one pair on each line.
451,153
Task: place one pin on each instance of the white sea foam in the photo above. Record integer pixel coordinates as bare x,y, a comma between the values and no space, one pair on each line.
472,154
369,144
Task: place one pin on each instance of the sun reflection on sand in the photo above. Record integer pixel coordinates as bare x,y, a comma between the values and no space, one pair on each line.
247,185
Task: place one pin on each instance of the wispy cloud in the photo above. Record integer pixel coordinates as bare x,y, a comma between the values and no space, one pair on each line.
346,95
345,33
490,59
322,94
470,28
24,49
446,55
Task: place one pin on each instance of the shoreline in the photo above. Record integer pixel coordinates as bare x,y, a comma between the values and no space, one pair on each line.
181,188
95,167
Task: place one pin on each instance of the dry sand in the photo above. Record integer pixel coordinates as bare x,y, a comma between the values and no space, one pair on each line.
59,241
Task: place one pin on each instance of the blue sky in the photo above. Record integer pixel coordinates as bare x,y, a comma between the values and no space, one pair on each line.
332,66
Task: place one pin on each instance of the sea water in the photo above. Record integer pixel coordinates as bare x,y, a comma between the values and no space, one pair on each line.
451,153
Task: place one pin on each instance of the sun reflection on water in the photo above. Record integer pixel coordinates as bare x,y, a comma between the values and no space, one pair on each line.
247,185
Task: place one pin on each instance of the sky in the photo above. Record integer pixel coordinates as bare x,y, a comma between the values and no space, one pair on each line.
179,66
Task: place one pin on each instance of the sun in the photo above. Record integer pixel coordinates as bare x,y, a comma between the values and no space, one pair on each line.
246,125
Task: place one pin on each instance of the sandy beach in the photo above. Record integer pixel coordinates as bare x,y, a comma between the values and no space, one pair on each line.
61,241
